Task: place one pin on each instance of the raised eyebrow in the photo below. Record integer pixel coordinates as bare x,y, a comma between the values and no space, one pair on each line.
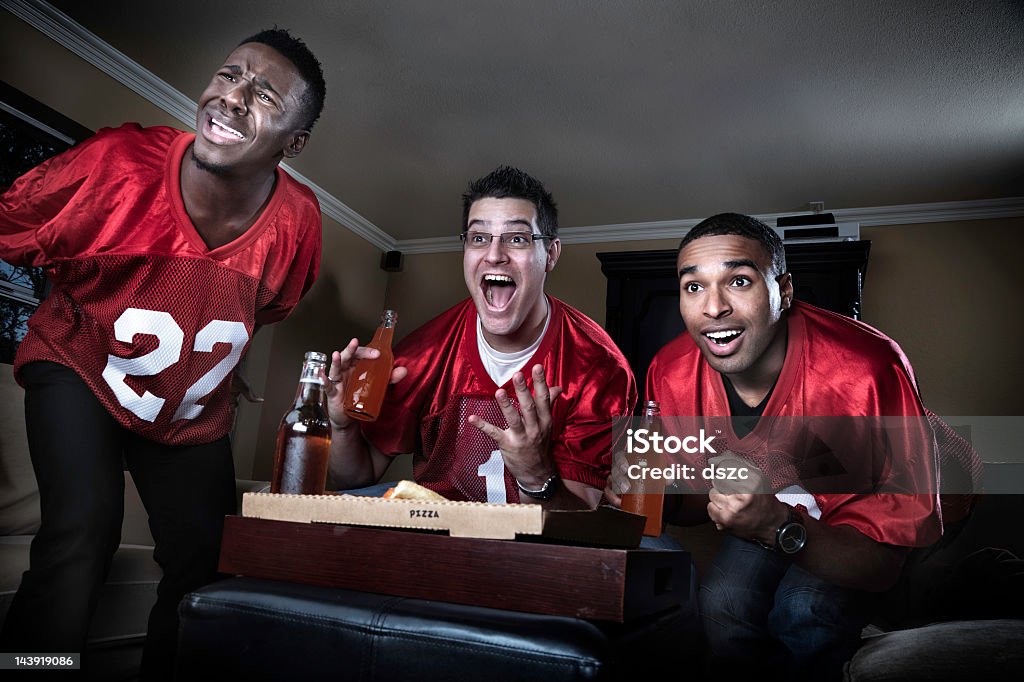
741,263
507,223
728,265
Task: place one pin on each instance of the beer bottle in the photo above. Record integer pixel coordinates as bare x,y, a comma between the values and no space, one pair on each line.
304,436
646,495
364,391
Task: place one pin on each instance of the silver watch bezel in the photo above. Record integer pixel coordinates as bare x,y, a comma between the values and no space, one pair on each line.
791,537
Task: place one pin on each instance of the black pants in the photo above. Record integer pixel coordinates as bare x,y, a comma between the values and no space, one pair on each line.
78,451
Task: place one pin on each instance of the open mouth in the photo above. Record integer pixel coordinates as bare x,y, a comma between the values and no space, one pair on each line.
723,340
498,290
220,131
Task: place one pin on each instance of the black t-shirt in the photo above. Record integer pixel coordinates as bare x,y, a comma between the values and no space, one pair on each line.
744,417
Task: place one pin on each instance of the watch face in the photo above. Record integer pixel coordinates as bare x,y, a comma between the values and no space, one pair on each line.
791,538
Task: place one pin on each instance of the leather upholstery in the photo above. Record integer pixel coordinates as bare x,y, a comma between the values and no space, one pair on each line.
264,630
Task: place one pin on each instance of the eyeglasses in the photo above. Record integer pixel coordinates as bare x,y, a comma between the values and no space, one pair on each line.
511,240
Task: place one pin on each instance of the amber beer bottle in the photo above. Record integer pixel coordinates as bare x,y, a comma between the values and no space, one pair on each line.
647,495
304,437
364,392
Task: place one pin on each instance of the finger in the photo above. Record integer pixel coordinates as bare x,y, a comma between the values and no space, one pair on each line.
325,380
367,353
612,498
345,356
512,416
542,396
399,373
527,405
541,393
486,427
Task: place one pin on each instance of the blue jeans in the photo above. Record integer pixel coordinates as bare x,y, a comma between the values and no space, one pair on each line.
766,617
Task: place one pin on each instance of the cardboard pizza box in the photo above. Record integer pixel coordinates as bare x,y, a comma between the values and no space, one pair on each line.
605,526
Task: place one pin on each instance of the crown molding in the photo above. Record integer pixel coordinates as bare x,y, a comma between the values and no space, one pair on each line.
68,33
905,214
65,31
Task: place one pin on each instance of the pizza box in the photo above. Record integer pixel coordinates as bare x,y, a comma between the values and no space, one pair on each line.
594,583
604,526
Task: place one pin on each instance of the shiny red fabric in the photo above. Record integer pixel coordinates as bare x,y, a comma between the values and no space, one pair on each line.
107,221
426,412
834,367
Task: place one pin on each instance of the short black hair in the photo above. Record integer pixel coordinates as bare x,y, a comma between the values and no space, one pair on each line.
506,182
744,226
312,73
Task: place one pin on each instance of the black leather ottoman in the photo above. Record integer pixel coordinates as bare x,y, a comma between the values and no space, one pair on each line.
256,629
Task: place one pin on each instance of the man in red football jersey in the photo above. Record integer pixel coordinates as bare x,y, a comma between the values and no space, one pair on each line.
509,395
166,251
789,590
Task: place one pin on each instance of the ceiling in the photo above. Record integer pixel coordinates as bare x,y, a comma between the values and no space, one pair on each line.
630,112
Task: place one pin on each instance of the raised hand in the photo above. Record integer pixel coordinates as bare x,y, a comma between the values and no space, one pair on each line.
525,445
342,363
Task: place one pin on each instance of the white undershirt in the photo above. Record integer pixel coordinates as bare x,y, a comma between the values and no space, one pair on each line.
501,366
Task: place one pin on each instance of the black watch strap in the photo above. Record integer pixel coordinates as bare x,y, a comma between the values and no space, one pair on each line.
545,492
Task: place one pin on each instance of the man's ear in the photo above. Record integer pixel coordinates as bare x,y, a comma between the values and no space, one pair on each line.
296,144
786,289
554,251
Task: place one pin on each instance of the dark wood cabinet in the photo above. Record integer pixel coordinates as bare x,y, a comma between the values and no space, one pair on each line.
642,310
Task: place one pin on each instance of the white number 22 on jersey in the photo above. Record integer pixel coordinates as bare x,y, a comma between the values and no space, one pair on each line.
167,352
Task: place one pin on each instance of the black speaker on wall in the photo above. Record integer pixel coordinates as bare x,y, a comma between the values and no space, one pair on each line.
391,261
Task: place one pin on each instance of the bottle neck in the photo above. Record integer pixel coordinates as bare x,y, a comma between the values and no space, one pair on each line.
311,388
382,337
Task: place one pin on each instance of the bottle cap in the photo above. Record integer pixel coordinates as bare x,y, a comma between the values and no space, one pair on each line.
389,318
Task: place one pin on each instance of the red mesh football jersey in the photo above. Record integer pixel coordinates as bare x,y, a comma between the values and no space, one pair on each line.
426,412
834,367
141,309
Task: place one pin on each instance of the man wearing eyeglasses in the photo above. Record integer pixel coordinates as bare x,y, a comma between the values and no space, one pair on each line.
508,396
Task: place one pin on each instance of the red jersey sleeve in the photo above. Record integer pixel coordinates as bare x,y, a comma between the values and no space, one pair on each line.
304,264
29,208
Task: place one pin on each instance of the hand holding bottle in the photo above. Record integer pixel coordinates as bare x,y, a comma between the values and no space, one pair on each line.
337,377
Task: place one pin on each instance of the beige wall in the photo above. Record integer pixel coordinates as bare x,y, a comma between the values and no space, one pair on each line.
951,295
42,69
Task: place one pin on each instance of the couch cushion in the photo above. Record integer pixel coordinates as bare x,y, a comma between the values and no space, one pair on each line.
126,599
19,496
986,650
253,629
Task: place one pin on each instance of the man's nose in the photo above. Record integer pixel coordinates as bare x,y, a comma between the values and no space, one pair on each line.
496,251
716,303
236,98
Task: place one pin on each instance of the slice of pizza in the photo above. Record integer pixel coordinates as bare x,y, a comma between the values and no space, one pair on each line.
408,490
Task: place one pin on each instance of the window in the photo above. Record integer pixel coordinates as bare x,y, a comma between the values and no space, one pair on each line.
30,133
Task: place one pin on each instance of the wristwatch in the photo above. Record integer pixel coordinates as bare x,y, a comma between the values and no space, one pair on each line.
545,492
791,536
